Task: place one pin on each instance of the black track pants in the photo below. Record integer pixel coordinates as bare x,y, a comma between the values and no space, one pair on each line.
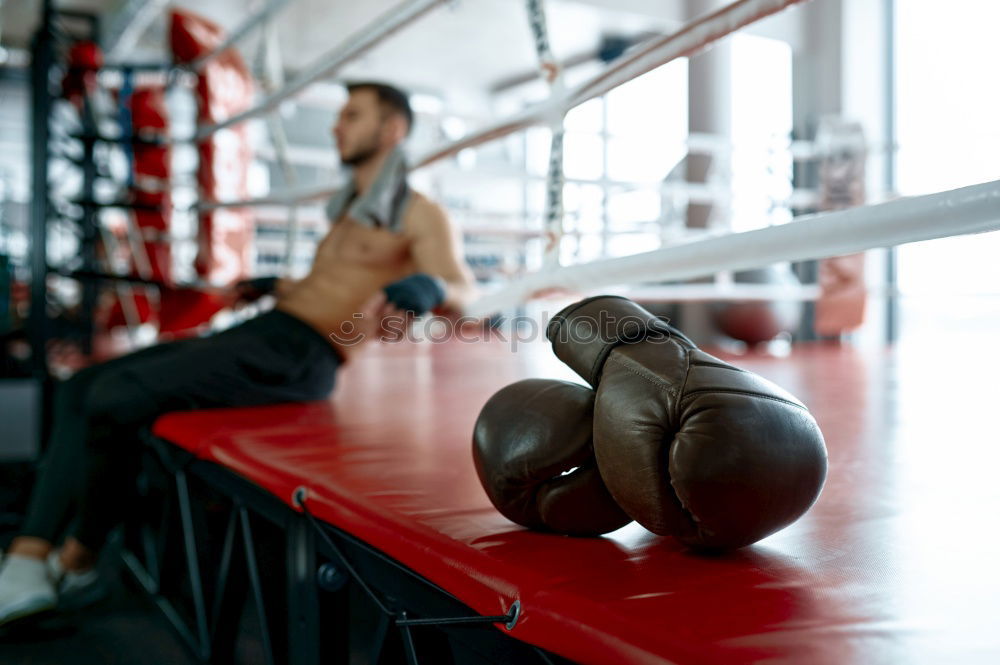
92,457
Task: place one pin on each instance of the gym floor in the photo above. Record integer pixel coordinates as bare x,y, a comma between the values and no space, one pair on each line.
123,629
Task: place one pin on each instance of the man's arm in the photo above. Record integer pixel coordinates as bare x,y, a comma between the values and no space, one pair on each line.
249,290
437,251
284,285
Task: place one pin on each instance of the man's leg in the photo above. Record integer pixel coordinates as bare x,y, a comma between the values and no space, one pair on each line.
60,478
274,358
271,359
25,584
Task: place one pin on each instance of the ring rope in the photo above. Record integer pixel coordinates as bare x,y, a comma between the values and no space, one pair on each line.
690,39
968,210
360,42
268,66
262,16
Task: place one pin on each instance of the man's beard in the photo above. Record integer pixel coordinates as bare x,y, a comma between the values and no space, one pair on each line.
362,154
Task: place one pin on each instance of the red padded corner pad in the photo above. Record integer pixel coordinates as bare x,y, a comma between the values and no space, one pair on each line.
858,579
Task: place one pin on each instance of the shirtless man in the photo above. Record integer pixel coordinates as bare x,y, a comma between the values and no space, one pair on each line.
405,261
353,262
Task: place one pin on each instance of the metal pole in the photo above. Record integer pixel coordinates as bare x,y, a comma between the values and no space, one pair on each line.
555,177
88,227
892,255
41,105
90,221
375,32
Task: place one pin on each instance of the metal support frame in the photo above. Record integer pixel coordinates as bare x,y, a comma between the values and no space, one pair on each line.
89,225
193,567
212,627
42,59
255,586
892,255
43,209
80,151
302,600
555,178
323,622
225,565
150,566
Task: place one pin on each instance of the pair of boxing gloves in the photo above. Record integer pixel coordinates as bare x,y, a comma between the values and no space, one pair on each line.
667,435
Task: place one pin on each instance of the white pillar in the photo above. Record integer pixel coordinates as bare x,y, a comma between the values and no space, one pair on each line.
709,109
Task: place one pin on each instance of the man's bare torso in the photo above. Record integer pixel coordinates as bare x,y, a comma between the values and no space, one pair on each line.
351,264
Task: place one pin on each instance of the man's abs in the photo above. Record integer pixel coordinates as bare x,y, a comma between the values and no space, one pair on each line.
351,265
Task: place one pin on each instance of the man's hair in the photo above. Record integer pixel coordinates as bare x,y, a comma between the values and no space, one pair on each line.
390,97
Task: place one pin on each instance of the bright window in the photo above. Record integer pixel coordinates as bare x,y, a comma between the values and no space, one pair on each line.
947,108
761,124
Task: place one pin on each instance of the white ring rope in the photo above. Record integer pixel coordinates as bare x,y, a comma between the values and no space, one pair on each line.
270,71
379,29
696,143
968,210
690,39
288,197
271,8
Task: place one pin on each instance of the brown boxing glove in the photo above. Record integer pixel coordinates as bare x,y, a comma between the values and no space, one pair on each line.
532,449
687,444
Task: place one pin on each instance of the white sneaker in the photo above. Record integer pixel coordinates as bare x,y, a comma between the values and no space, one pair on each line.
26,588
76,589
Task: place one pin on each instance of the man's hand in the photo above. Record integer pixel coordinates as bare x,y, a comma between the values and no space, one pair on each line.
437,250
386,315
376,320
249,290
416,294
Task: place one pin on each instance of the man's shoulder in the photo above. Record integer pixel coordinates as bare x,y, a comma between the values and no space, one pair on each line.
423,212
421,204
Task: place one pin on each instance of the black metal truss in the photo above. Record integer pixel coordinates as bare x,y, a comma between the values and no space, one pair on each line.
218,553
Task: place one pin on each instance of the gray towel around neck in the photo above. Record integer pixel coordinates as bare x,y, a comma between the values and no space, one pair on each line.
382,206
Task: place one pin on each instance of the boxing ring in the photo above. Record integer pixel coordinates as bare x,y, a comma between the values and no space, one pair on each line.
358,525
875,571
